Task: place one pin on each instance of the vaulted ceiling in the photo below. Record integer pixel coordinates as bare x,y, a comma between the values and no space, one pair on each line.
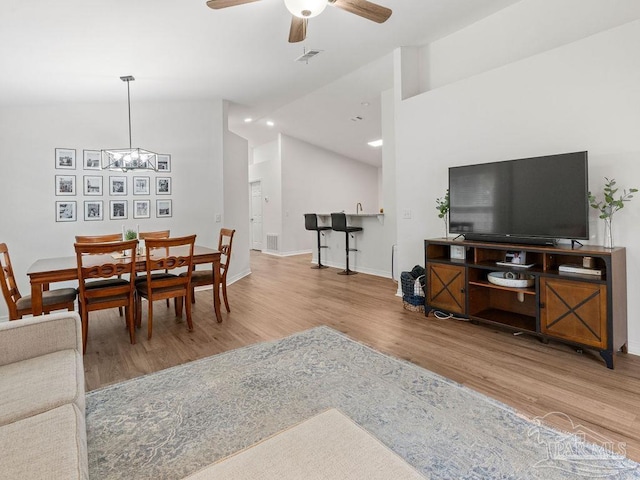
74,51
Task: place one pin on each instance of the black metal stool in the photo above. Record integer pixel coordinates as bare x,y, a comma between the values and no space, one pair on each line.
339,224
311,223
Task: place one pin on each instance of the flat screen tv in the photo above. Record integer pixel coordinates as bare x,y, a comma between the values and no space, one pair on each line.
529,200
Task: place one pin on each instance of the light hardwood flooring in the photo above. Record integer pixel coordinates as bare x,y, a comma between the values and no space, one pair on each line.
283,296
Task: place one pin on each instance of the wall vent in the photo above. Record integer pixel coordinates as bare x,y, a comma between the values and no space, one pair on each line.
272,241
307,55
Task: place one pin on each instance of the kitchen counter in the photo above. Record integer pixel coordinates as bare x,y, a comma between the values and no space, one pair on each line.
371,256
353,214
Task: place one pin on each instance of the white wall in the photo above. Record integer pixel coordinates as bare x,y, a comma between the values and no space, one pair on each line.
524,29
190,131
389,180
299,178
266,168
580,96
266,152
320,181
236,203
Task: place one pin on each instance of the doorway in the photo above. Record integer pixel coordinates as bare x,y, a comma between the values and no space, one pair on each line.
256,215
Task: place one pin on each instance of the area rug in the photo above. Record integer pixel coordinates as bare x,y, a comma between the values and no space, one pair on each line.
175,422
327,446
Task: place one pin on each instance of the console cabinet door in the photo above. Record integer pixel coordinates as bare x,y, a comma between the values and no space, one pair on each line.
574,311
445,287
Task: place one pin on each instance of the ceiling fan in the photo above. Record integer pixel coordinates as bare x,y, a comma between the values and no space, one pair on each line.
303,10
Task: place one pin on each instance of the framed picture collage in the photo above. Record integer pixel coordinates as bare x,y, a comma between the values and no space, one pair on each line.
92,194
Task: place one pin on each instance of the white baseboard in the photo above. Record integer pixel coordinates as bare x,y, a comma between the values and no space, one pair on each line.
368,271
286,254
230,280
634,348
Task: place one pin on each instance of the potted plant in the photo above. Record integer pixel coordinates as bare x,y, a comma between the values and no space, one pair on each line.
610,205
442,205
129,235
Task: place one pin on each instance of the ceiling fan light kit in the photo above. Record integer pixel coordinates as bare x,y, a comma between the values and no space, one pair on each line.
302,10
305,8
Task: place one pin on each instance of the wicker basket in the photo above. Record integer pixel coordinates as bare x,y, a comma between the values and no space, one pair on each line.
413,303
407,281
411,285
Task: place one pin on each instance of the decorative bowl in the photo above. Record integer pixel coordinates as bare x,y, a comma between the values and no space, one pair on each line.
511,279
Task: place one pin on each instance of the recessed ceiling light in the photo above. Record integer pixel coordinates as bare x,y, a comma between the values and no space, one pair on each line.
248,120
365,104
375,143
270,123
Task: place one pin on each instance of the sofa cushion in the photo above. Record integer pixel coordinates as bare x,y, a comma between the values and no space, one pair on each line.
39,384
49,446
32,337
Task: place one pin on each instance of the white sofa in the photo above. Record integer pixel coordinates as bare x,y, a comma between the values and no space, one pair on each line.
42,404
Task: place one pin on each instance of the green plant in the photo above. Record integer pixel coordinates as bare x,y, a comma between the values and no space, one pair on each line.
610,204
130,235
442,205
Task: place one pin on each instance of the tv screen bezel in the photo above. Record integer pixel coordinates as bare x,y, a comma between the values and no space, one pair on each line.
528,237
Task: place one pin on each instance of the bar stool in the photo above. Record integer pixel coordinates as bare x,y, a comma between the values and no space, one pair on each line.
311,223
339,224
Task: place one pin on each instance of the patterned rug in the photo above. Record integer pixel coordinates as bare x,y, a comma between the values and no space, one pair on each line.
174,422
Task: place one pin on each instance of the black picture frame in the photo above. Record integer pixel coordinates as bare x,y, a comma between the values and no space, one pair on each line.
117,185
65,185
92,185
93,210
163,185
65,158
142,209
118,209
66,211
164,208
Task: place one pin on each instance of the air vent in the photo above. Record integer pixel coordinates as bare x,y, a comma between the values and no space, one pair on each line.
307,55
272,241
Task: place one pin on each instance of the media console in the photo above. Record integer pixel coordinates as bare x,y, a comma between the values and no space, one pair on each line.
584,310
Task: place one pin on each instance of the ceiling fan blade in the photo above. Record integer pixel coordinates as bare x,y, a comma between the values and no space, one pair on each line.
298,31
216,4
363,8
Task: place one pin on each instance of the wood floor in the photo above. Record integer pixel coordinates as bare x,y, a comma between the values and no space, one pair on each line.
283,296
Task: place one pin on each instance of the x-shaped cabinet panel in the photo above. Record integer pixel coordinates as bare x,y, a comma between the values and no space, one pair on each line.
445,287
576,311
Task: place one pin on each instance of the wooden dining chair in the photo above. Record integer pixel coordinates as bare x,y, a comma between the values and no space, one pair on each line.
109,237
201,278
101,261
152,235
156,234
19,306
166,254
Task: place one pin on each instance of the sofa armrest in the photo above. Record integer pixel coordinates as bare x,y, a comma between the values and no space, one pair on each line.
33,337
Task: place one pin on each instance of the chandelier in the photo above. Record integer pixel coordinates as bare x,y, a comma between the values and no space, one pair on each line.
125,159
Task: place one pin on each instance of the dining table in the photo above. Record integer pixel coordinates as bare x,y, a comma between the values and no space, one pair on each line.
61,269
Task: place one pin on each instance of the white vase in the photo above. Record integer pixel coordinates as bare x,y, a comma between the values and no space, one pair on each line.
608,233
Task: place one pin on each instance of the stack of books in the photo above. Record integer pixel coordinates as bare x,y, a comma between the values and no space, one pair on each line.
576,268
